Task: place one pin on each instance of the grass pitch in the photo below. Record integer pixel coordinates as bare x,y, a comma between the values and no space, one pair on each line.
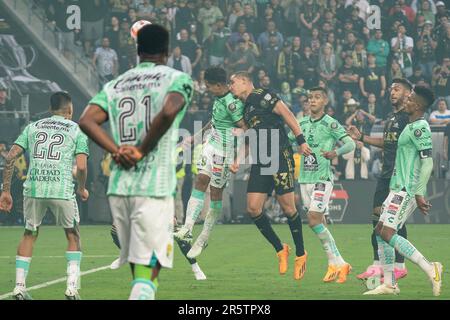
238,262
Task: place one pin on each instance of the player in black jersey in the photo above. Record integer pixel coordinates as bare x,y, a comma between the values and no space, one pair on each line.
394,125
265,115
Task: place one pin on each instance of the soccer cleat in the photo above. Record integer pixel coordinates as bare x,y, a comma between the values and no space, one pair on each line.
300,266
283,257
436,280
383,289
400,273
21,294
343,273
197,248
331,274
72,294
199,275
115,264
183,234
372,271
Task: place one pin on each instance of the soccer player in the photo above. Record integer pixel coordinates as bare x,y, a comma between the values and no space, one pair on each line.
413,167
316,177
265,115
53,143
396,122
217,156
144,106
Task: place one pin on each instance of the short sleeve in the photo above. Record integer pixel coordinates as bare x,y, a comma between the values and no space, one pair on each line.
337,130
183,85
421,136
23,141
82,146
269,100
101,99
236,110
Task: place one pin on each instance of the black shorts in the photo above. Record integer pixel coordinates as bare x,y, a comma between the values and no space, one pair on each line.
282,181
381,192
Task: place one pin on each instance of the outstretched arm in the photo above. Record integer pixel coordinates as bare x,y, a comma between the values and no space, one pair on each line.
355,134
6,199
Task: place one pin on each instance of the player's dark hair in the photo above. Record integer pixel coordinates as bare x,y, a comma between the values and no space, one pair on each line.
59,100
426,94
153,39
404,82
322,90
216,75
243,74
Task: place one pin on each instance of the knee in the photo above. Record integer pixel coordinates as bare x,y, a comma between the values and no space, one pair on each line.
202,182
216,194
289,209
73,234
314,219
254,211
377,212
386,234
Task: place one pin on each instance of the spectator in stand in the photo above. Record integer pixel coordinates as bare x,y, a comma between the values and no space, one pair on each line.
92,21
327,64
236,11
56,13
441,116
185,16
441,10
217,43
199,84
308,18
441,80
127,47
236,36
362,120
417,75
348,77
288,64
249,19
106,62
395,71
264,38
349,45
250,44
265,82
402,46
299,88
427,9
207,16
270,55
359,55
4,104
426,46
443,47
190,49
242,59
119,8
372,79
357,21
113,34
446,148
286,94
145,10
374,107
179,62
380,48
357,163
132,16
308,67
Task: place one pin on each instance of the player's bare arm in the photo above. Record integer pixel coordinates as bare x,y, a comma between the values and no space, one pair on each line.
90,123
6,199
355,134
81,160
173,104
282,110
426,169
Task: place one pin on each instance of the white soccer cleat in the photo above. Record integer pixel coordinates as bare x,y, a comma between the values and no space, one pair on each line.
436,281
72,294
197,248
20,293
199,275
115,264
384,289
183,234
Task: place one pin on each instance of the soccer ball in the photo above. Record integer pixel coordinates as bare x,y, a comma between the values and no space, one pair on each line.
136,27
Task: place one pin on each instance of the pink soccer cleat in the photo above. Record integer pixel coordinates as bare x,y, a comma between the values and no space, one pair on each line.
371,272
400,273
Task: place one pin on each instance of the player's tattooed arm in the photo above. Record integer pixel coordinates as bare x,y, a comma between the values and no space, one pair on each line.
173,104
6,200
282,110
90,123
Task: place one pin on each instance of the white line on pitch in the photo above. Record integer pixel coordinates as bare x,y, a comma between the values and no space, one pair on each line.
50,283
87,256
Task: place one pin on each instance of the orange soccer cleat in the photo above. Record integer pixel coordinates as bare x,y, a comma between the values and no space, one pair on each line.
343,273
331,274
300,266
283,257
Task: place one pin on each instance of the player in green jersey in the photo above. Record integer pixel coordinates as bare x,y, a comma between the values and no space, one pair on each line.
144,106
316,178
413,167
217,156
53,144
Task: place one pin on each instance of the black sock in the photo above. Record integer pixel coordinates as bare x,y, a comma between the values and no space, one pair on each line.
263,224
403,233
114,236
374,242
185,247
295,224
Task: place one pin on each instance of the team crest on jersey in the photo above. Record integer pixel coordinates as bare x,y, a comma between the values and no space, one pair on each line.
268,97
334,125
232,107
263,104
418,133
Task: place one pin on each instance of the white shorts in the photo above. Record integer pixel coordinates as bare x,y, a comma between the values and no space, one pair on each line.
396,209
316,196
145,229
65,212
215,165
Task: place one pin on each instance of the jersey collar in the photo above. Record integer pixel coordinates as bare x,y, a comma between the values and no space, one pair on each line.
224,95
57,117
145,65
317,120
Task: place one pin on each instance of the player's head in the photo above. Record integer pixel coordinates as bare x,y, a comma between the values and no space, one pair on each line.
153,43
318,99
241,84
419,101
400,90
216,80
61,104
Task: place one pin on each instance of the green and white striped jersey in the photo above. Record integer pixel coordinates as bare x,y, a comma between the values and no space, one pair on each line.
132,101
414,140
53,144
